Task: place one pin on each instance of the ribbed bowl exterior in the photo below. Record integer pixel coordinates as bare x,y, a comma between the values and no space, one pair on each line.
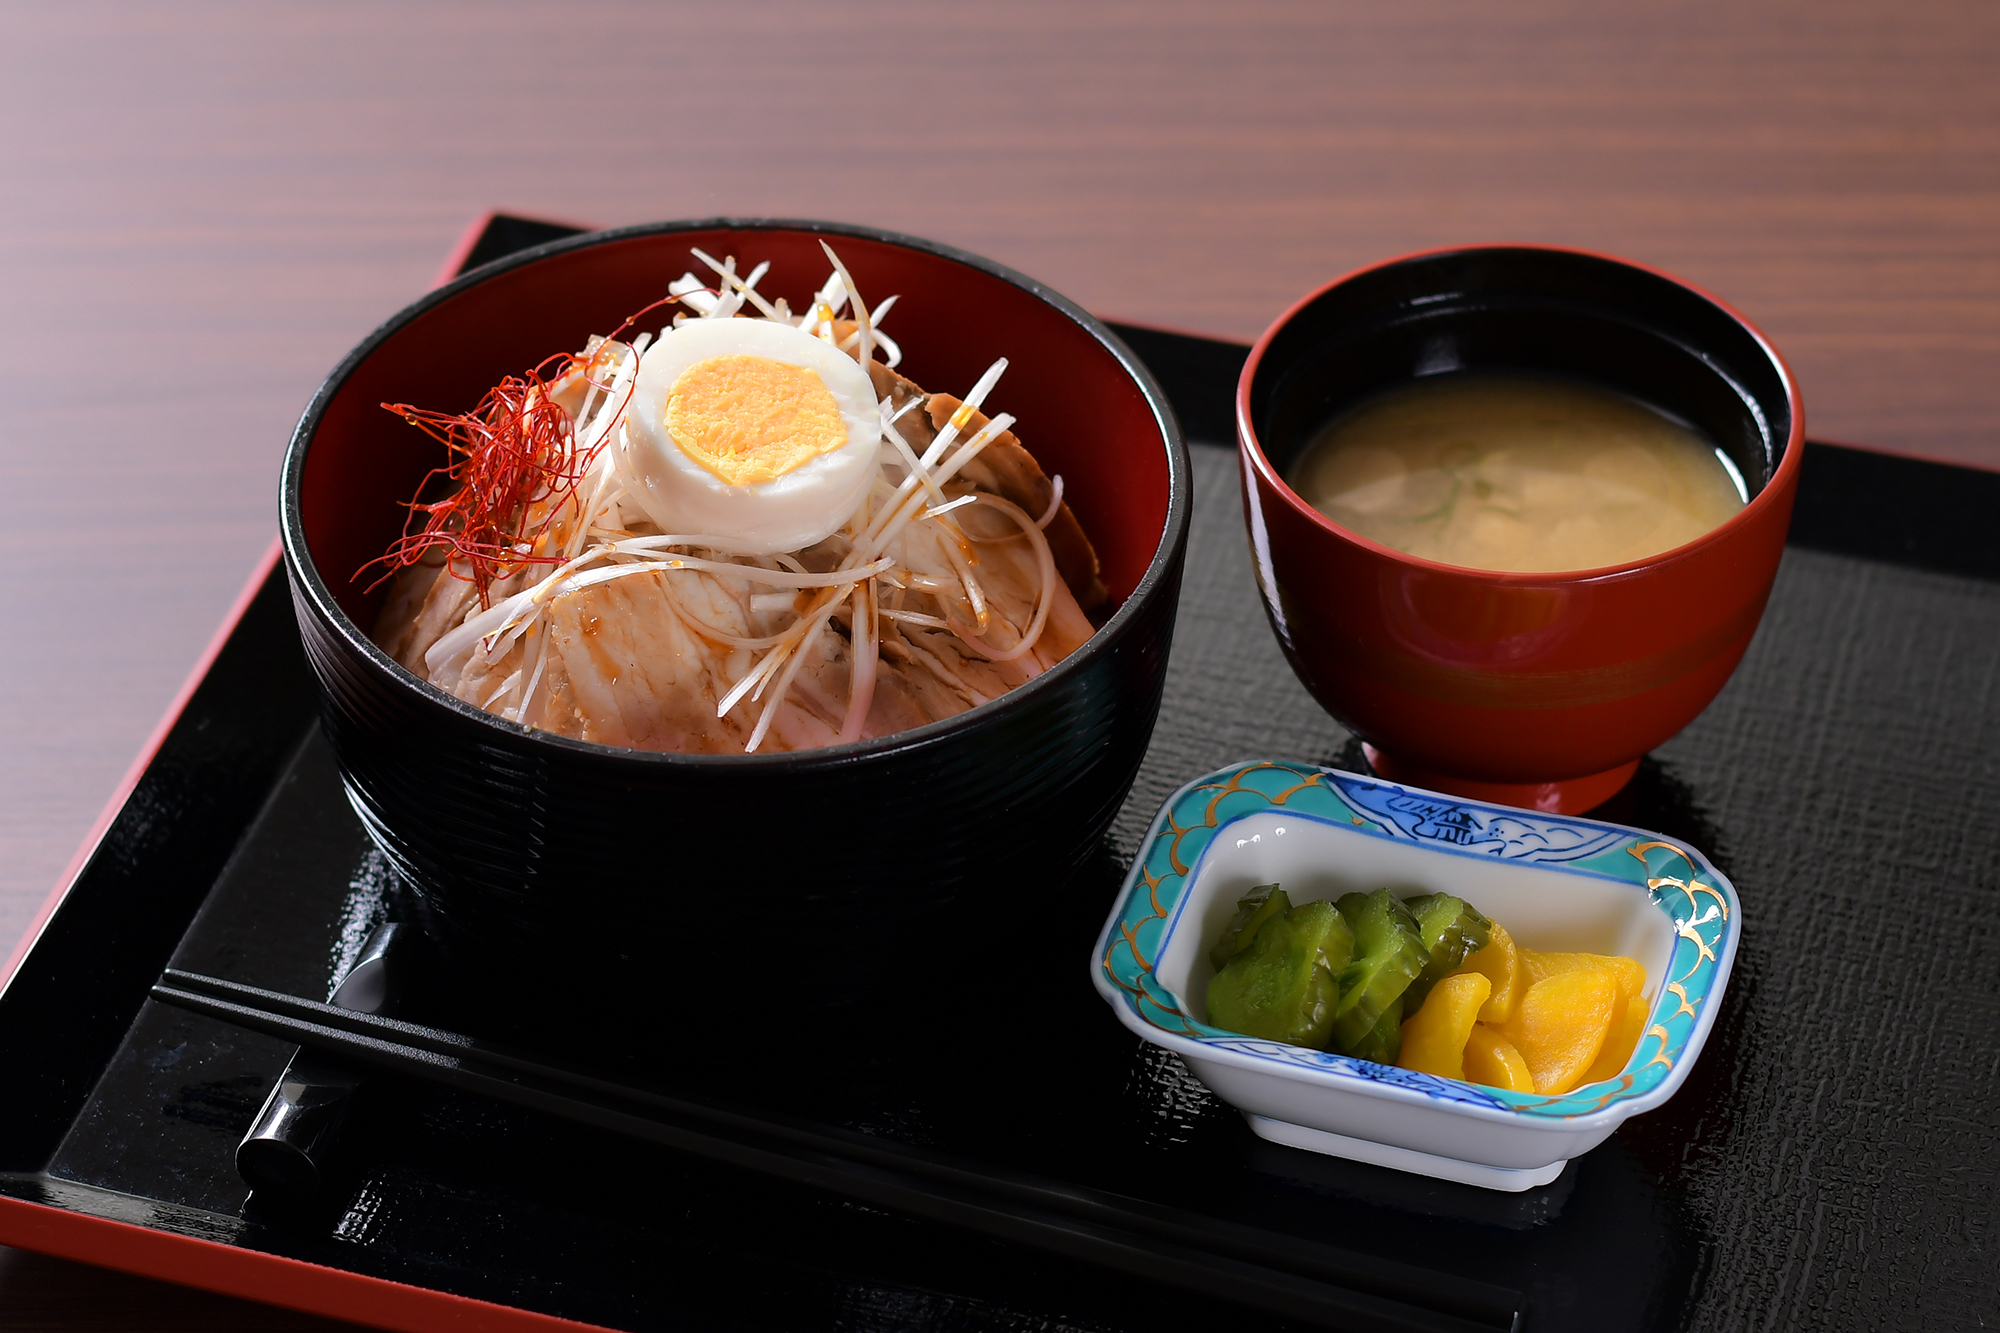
589,876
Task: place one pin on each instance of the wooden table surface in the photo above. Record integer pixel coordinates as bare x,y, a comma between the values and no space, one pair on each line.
205,207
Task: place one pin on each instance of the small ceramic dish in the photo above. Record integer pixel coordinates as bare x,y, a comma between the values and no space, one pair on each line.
1556,883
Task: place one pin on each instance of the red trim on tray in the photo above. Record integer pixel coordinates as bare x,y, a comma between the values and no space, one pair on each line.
123,792
256,1276
468,240
461,249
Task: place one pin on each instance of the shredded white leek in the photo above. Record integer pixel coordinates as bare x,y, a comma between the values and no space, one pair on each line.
908,511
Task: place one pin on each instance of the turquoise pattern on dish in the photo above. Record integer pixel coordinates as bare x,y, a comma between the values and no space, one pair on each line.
1678,881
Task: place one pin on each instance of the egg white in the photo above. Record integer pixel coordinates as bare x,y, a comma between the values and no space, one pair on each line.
787,513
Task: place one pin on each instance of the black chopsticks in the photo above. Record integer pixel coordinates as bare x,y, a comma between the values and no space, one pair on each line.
1280,1274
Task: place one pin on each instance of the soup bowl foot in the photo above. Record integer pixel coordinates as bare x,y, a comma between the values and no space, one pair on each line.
1567,796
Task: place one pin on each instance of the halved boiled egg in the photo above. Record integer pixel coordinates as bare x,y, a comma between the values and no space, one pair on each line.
749,430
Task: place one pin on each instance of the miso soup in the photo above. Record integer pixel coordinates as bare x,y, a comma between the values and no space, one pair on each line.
1517,474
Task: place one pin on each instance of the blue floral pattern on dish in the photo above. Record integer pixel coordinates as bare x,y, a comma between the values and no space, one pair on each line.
1673,876
1512,835
1445,1089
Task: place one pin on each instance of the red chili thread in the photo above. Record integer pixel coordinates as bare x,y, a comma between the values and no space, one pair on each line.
515,448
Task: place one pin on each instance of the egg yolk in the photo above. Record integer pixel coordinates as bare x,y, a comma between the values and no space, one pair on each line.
749,419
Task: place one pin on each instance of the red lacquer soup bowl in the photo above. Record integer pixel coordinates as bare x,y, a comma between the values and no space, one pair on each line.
1540,690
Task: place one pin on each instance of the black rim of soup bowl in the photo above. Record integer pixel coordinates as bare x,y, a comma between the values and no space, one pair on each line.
1519,309
562,875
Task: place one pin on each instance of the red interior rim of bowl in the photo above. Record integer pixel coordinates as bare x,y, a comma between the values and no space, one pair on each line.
316,500
1780,481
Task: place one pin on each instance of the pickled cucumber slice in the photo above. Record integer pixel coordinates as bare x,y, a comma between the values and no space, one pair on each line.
1286,985
1253,909
1388,955
1383,1042
1452,931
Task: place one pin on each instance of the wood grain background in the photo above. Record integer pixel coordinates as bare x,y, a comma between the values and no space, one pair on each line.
204,207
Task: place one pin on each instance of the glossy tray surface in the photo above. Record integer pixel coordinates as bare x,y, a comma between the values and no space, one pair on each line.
1829,1161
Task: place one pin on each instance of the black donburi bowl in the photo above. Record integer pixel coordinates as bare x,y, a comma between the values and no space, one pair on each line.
564,875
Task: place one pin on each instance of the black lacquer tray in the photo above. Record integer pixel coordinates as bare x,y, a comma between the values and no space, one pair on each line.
1832,1162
